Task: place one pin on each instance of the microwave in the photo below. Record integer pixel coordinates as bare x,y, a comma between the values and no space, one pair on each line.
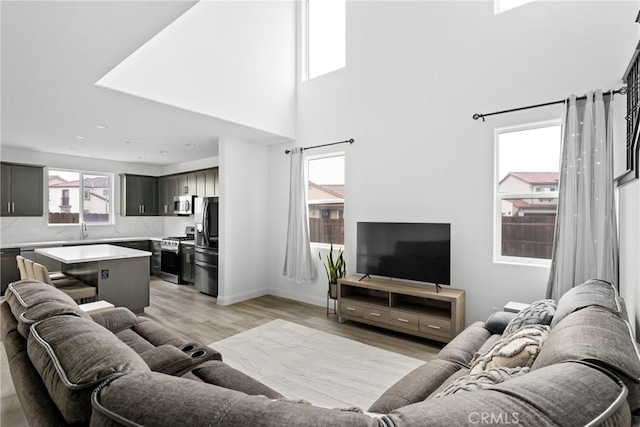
183,205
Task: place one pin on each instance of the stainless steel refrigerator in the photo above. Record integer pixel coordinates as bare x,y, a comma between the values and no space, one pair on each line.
206,256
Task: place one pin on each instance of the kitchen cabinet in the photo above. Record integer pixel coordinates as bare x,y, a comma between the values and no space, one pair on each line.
139,195
188,266
8,267
167,189
156,257
22,190
206,182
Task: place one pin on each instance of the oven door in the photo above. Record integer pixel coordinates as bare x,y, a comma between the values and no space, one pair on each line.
170,266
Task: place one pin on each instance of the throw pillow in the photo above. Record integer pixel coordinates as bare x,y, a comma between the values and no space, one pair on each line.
517,349
539,313
498,321
482,380
590,293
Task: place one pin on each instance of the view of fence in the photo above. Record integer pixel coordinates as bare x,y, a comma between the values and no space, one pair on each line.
528,236
74,217
326,230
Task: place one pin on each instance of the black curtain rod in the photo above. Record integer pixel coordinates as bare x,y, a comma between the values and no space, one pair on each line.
621,91
348,141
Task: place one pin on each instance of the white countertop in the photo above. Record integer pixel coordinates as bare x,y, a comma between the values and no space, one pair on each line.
31,245
88,253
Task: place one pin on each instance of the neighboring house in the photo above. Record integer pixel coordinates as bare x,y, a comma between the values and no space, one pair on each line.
64,196
326,201
529,182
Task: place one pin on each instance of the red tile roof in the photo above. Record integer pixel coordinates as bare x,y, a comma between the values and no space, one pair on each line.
536,177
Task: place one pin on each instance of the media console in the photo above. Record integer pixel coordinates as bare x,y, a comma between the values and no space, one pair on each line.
401,306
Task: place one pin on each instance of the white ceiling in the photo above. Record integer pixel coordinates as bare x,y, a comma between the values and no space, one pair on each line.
53,52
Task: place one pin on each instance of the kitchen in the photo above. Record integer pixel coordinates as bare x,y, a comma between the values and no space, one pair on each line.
177,200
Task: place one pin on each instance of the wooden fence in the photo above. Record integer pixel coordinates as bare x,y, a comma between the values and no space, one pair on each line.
326,230
74,218
528,236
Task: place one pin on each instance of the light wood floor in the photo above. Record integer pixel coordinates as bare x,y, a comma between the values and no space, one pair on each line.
196,317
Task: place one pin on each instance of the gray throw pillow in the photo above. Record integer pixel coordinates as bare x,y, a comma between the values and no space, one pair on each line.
538,313
590,293
498,321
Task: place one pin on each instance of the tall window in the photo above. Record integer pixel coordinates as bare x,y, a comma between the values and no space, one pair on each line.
326,199
527,177
76,197
325,36
504,5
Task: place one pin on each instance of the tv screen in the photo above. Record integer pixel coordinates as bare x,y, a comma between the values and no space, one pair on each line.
411,251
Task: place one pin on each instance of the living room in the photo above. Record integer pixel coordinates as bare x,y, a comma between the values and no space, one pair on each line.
415,74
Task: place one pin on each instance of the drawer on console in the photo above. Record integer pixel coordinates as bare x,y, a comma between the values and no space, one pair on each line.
435,326
351,308
376,314
404,320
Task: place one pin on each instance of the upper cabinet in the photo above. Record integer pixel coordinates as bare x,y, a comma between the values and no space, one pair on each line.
139,195
137,191
22,190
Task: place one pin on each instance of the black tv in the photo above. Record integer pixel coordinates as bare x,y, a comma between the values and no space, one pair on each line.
411,251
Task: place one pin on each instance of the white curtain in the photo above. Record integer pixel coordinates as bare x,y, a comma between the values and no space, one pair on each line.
586,242
298,264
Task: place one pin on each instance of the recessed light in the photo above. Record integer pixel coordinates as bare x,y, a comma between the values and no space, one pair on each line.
81,137
163,152
127,142
141,158
190,145
103,127
72,148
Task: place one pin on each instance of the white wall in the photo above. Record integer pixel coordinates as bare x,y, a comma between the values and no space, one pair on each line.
243,221
629,196
233,60
416,73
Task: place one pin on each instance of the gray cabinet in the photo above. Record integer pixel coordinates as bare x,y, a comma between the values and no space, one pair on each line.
139,195
188,266
22,190
167,189
8,267
156,258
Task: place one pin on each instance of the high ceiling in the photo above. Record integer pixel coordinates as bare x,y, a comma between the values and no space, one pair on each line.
53,53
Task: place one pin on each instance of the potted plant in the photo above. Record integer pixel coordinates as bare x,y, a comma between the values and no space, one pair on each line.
335,270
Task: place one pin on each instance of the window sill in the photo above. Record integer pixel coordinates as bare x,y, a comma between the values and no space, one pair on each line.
327,246
523,262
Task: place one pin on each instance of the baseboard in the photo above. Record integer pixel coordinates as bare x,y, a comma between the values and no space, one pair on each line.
243,296
322,302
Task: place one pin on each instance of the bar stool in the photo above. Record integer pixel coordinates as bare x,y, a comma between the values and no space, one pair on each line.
24,272
22,267
76,289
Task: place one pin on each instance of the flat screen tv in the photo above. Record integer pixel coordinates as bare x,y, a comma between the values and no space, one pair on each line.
411,251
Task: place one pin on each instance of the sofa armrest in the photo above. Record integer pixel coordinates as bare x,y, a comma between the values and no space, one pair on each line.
168,360
115,320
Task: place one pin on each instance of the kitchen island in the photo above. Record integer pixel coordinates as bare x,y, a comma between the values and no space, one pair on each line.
121,275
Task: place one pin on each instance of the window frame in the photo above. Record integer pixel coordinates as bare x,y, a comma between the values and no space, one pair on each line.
321,245
81,199
498,197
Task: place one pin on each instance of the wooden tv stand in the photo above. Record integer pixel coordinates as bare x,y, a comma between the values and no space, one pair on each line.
404,307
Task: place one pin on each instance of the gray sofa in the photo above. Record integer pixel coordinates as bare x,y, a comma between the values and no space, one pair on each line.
579,367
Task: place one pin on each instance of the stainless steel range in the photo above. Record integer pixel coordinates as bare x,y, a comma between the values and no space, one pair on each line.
170,263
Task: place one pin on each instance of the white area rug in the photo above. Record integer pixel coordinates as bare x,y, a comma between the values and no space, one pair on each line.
304,363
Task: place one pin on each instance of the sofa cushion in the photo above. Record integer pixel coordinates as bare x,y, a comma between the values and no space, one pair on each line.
32,301
454,377
218,373
592,292
116,319
153,399
74,355
517,349
482,380
168,360
462,348
416,386
594,334
157,334
546,397
538,313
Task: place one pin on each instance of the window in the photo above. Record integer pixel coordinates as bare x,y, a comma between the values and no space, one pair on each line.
504,5
326,199
325,36
527,177
76,197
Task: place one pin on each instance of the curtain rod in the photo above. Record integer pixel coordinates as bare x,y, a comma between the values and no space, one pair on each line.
621,91
348,141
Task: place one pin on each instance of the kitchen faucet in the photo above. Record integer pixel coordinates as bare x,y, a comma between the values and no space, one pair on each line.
84,233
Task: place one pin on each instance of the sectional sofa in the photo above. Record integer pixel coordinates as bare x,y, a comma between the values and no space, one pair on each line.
570,363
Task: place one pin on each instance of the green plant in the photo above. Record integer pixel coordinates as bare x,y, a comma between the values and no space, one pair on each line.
335,269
